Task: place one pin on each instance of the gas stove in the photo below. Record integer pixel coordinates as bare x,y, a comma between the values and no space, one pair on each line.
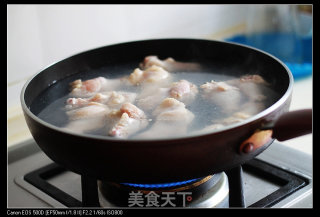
278,177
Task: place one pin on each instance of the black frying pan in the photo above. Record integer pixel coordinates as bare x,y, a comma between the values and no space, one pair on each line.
163,160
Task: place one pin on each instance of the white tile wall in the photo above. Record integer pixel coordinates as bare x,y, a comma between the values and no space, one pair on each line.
38,35
24,52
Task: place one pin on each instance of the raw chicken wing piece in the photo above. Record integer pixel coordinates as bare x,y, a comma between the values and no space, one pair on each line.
184,91
172,119
90,117
152,96
226,96
168,64
152,75
132,119
113,99
251,85
90,87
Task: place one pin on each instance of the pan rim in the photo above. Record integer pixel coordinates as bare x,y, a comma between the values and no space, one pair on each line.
261,114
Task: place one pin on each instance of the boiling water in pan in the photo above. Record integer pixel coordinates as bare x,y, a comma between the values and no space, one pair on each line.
204,112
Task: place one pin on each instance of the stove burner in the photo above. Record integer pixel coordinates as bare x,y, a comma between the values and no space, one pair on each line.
209,191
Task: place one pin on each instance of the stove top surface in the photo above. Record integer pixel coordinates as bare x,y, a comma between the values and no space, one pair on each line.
258,187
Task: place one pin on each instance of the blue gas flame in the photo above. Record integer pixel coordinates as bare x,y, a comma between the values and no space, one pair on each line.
160,185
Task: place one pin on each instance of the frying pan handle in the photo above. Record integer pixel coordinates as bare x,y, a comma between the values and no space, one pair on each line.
288,126
292,124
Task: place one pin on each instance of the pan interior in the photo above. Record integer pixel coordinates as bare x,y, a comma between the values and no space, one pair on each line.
223,63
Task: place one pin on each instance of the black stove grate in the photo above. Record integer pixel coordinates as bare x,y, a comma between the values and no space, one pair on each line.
39,177
288,181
